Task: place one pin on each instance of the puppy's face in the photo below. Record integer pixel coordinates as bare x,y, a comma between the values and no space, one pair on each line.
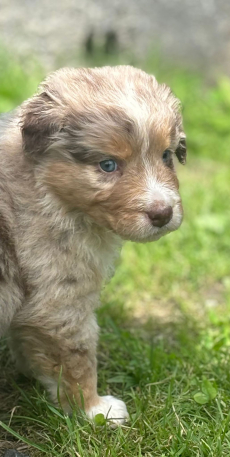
106,139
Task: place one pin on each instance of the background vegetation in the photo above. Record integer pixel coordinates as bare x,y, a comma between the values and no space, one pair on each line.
165,338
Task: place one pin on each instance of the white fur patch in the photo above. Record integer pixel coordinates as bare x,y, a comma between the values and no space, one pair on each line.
158,191
113,409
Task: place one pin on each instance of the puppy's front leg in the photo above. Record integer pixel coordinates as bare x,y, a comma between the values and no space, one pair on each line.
70,351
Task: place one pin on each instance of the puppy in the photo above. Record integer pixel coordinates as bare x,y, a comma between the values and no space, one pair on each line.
85,163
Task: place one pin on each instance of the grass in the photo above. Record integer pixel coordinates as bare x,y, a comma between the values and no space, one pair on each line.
165,337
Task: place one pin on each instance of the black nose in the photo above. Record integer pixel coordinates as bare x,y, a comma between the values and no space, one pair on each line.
160,216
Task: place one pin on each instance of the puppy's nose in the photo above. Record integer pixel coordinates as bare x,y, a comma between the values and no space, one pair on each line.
160,216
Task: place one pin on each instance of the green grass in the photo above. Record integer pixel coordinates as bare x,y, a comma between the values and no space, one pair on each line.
17,81
165,333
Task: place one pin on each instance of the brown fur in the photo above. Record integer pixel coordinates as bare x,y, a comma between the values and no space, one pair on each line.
62,217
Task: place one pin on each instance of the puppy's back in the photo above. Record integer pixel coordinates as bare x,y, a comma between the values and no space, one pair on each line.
10,286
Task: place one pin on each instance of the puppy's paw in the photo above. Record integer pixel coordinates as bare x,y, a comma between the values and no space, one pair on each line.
113,409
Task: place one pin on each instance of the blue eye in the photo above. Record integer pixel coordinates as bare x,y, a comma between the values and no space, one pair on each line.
108,165
167,155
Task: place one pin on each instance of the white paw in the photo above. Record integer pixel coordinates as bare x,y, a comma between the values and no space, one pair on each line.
113,409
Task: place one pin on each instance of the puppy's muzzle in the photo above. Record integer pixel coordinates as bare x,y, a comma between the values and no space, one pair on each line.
160,215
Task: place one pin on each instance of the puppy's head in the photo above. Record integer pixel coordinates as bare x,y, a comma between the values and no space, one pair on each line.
105,139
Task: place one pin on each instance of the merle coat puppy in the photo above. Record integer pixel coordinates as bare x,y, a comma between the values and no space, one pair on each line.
84,164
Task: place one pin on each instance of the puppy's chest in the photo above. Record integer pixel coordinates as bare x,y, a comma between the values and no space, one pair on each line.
70,259
85,255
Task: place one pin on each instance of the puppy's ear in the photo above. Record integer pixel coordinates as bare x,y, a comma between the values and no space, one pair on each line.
181,150
41,119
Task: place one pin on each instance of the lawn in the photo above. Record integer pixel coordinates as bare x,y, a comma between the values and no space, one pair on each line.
165,316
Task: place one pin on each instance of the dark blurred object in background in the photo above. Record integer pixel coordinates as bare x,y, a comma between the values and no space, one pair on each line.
193,33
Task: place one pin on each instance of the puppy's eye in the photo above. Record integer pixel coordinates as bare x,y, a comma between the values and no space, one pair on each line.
108,165
167,156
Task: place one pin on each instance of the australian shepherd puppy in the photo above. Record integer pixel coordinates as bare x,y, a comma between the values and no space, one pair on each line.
84,164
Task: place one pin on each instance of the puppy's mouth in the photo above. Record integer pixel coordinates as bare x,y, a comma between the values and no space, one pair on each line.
149,226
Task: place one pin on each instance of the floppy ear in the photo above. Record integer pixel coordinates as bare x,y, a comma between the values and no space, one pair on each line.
41,119
181,151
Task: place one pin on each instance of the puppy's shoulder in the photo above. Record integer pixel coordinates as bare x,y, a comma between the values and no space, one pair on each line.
11,291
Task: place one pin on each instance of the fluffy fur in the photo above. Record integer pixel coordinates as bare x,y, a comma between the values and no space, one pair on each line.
62,218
